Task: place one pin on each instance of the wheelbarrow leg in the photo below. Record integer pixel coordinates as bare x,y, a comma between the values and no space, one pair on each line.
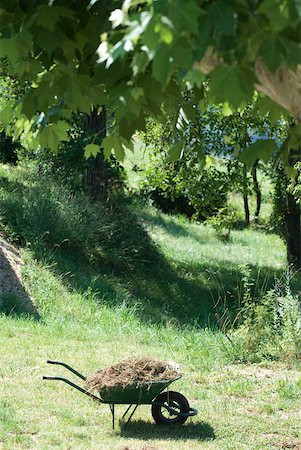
132,413
112,408
127,410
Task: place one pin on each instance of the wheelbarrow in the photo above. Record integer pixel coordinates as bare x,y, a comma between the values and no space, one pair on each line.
167,407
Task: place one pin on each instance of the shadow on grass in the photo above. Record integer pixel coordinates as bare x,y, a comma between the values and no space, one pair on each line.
107,251
168,224
147,431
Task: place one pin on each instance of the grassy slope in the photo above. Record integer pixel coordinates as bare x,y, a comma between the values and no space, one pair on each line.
243,407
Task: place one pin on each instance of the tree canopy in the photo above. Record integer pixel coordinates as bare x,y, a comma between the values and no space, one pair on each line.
145,58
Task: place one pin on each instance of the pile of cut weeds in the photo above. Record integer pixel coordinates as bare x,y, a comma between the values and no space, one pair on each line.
132,371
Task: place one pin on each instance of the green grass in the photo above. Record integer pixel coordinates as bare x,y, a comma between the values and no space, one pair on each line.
246,407
92,315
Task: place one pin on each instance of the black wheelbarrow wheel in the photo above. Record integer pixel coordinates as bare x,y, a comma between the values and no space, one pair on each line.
174,400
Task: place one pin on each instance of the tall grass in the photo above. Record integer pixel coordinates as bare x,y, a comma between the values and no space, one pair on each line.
47,215
267,327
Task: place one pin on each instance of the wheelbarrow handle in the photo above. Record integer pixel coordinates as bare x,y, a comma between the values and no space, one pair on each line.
74,386
49,361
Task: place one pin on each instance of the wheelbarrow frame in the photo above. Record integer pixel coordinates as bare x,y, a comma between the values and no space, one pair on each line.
162,385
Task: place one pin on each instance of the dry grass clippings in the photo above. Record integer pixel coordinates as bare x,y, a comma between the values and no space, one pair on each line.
132,371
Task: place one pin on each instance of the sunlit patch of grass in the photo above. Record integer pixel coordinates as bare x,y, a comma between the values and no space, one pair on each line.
288,389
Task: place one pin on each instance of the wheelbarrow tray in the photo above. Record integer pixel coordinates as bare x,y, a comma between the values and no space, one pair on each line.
134,393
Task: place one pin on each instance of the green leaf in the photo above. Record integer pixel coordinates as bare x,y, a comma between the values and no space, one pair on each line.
6,115
293,51
273,52
150,39
184,15
118,51
226,109
53,134
236,150
164,28
79,93
182,55
139,63
119,151
227,139
91,150
162,65
29,105
113,143
175,152
181,121
61,128
48,16
276,12
195,77
295,12
127,145
189,109
223,17
261,149
10,49
137,92
210,161
266,106
49,138
232,84
294,137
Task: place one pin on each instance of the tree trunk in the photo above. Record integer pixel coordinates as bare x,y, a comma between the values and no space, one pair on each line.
292,221
293,232
245,195
95,176
257,191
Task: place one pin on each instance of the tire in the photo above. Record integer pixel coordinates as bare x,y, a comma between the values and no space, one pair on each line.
176,401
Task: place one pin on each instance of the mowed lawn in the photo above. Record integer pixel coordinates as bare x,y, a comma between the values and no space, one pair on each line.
241,406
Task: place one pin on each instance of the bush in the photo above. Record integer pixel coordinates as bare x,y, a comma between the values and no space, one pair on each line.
185,187
223,223
71,165
270,327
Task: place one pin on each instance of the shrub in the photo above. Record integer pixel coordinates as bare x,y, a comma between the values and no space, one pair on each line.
71,165
270,327
223,223
184,186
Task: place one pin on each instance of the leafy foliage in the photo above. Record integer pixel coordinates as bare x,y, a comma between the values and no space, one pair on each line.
67,58
223,222
175,173
271,327
71,162
297,185
182,186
